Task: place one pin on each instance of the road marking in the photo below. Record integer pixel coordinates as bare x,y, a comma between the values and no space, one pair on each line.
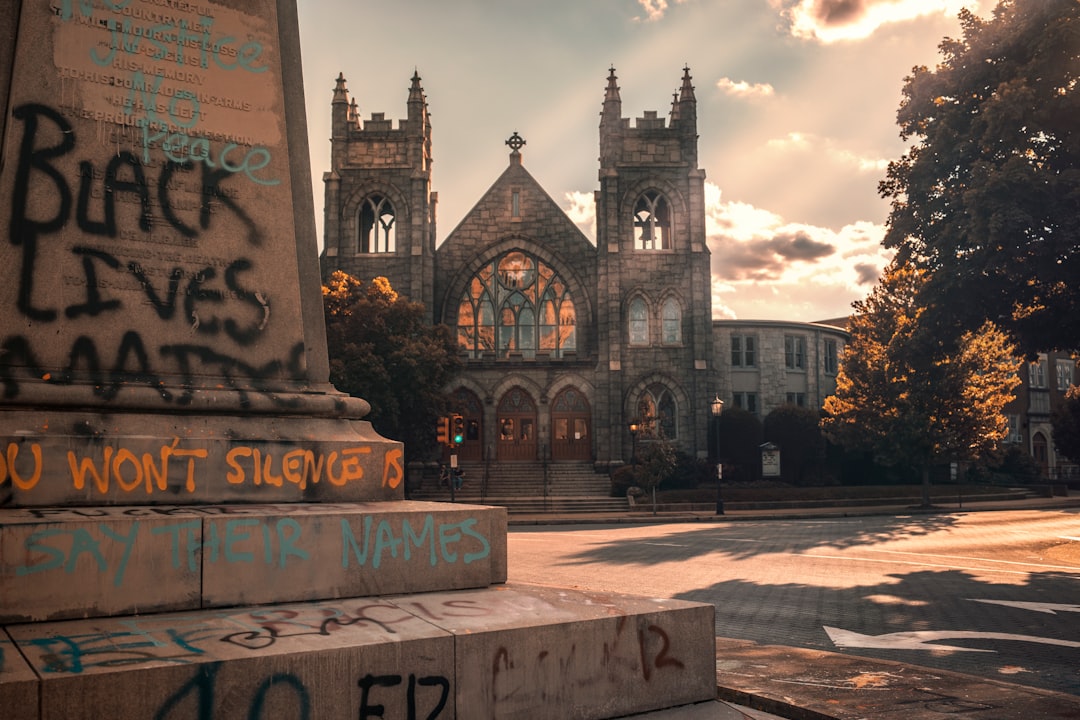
929,564
1049,608
923,639
974,559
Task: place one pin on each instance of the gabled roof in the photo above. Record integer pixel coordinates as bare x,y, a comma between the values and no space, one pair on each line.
541,220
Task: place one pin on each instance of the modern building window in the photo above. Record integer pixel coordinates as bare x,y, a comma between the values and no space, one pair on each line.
652,222
639,322
376,232
747,401
743,351
794,352
830,359
796,398
1037,373
517,304
672,322
1065,370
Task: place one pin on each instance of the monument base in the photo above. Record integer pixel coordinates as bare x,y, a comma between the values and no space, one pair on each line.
53,457
503,652
141,559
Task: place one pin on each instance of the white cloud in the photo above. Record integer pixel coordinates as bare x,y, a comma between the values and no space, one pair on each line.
806,142
791,141
655,9
830,21
767,268
582,211
744,89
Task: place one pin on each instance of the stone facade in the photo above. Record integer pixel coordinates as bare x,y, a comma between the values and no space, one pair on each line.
566,341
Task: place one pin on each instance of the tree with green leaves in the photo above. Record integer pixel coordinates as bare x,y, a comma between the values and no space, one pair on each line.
1065,421
986,199
382,350
915,399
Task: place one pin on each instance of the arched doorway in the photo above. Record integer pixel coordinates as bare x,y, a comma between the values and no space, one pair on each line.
571,426
516,427
467,404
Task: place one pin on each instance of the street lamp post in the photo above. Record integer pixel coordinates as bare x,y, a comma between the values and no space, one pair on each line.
716,407
634,429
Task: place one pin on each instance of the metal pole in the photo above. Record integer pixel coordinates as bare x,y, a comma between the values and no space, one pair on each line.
716,408
719,470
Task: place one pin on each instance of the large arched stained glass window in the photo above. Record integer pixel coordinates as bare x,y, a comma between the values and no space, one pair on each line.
517,304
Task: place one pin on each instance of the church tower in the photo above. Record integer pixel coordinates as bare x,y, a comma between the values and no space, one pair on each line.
379,206
654,305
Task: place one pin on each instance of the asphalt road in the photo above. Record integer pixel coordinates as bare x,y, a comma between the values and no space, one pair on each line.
992,594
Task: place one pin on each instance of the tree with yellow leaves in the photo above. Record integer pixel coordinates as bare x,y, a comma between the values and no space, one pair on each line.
914,398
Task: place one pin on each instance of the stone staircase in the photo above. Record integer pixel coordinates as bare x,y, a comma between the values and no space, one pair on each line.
525,488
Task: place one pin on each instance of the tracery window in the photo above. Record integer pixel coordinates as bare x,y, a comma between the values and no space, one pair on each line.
658,413
376,231
652,222
517,304
671,321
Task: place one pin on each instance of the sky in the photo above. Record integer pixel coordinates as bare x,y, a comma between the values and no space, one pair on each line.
797,104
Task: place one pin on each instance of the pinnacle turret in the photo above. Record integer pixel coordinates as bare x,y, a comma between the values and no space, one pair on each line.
341,93
612,111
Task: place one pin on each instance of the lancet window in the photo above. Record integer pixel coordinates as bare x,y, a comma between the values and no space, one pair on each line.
376,227
652,222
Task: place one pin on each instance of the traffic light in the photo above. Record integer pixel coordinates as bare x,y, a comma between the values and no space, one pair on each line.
442,431
458,430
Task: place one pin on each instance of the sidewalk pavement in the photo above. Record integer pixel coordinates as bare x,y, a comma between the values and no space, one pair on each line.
765,682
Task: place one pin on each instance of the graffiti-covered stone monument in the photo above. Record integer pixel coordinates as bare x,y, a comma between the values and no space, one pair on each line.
193,522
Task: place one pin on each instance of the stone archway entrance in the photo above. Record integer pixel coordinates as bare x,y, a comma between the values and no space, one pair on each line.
516,427
571,426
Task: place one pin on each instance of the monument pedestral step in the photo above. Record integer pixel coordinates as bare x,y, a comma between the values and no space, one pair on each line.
512,651
69,562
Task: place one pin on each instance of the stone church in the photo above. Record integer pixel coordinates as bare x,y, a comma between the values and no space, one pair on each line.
574,351
567,342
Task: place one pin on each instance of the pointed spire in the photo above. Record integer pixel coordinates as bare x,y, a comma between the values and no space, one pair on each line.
674,107
416,91
687,106
686,93
612,111
341,94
